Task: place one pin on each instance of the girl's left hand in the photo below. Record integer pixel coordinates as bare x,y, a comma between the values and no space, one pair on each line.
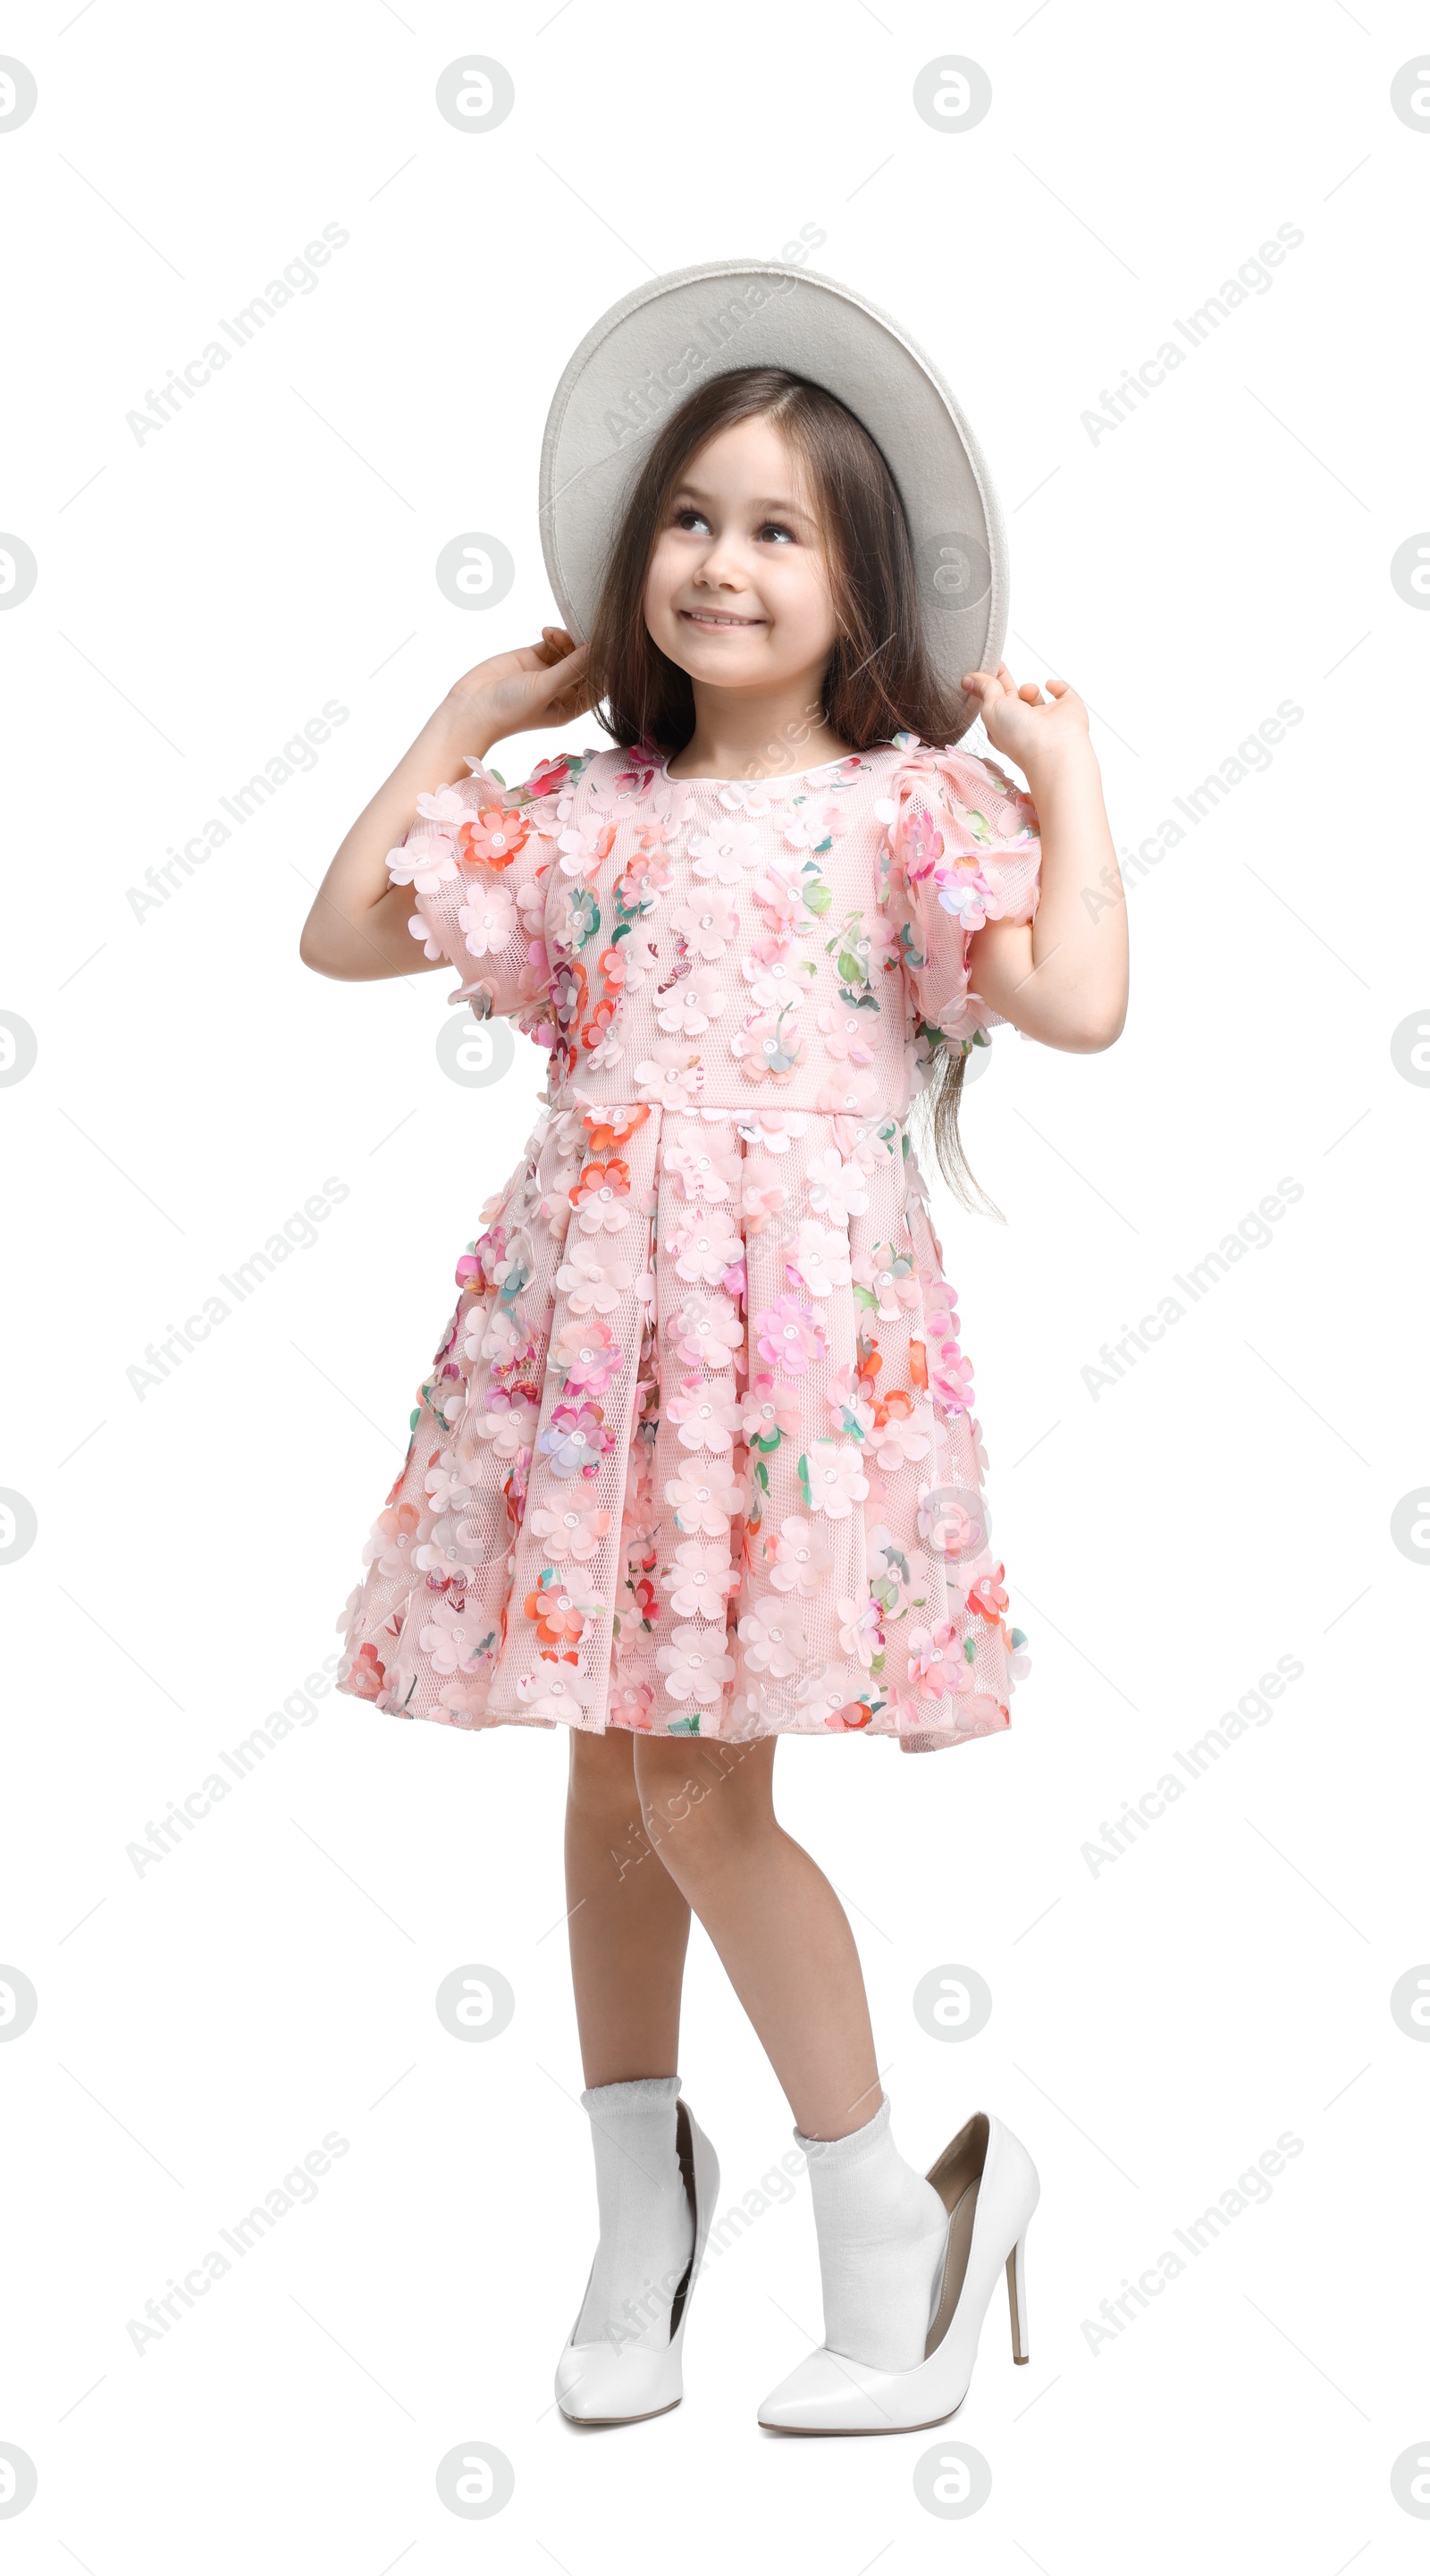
1020,721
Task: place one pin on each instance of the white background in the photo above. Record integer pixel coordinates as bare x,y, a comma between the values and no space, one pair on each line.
1155,2026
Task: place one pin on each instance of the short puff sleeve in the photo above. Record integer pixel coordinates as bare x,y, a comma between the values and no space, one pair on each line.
962,849
479,860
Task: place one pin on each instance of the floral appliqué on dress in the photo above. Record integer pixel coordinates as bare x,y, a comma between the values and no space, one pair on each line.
696,1453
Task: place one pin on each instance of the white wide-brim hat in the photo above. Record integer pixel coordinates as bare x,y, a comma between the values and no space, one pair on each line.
647,353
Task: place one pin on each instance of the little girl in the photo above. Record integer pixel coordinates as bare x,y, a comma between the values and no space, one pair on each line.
694,1466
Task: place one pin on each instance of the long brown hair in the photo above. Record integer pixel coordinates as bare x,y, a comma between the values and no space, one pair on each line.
879,679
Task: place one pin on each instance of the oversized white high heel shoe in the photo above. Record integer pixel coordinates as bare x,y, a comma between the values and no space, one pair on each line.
988,2183
616,2382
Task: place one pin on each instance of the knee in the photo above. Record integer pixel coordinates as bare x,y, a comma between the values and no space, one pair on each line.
702,1805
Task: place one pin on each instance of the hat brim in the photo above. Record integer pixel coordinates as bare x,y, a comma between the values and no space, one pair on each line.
644,355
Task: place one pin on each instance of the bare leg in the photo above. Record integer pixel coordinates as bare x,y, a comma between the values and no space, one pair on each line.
782,1935
704,1825
628,1924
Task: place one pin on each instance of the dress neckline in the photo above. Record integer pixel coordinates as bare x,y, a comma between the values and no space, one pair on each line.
786,779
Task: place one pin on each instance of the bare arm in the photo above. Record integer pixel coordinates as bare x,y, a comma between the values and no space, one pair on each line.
357,929
1063,977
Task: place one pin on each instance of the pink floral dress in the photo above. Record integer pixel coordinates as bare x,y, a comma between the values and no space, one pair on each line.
696,1454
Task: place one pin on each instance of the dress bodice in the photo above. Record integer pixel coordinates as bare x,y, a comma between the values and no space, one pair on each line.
786,944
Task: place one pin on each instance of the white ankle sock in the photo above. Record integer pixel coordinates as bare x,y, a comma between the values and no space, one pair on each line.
882,2231
647,2228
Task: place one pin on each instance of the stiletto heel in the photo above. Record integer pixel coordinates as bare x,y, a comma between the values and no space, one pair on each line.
988,2184
1018,2300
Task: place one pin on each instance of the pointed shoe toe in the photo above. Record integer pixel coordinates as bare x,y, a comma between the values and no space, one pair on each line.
826,2393
597,2385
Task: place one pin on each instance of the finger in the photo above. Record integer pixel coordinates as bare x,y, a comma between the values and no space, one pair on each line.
562,668
1059,689
555,647
1031,693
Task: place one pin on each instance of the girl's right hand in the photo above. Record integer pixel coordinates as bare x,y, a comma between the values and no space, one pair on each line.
538,684
358,926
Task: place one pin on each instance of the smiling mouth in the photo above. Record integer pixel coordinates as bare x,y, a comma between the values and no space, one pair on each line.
712,618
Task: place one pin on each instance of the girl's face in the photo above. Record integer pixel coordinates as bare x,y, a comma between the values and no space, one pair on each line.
738,588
